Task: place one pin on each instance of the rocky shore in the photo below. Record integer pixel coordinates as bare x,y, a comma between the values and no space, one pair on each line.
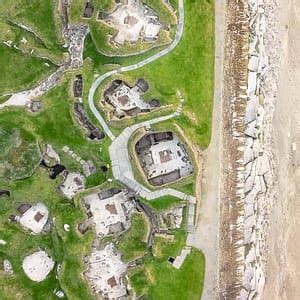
248,178
258,155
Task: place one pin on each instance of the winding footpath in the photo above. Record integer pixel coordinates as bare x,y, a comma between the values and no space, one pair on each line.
118,150
138,65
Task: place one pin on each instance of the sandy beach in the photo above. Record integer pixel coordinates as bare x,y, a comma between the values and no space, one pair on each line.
283,260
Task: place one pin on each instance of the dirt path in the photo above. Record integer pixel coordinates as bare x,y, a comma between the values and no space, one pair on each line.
283,264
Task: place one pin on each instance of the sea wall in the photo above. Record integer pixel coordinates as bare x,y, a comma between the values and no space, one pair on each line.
258,155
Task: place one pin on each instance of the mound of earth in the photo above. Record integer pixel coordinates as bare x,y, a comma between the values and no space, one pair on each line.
19,155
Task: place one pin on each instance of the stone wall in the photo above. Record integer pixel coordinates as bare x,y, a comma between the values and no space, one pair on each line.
250,84
258,155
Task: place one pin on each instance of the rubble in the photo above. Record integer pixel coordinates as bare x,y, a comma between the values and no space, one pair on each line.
72,184
133,21
95,133
105,272
7,267
163,157
175,215
50,156
76,35
126,100
35,106
67,227
59,294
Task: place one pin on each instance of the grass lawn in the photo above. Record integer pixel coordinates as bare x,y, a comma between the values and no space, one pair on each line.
41,16
57,126
100,32
133,244
157,279
12,61
163,203
189,69
65,247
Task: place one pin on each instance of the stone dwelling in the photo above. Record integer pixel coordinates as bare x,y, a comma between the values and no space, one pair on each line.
105,272
163,158
34,218
94,133
133,21
88,10
72,184
110,211
38,265
128,101
78,86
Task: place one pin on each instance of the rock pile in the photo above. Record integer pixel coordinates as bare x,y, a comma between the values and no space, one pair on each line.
258,156
77,34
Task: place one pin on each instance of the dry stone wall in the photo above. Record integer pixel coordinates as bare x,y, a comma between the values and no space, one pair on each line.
258,155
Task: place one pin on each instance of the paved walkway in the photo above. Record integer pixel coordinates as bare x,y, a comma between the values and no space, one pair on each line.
138,65
206,235
122,168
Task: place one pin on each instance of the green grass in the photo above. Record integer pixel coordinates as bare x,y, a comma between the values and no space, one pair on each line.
132,244
157,279
41,16
56,125
189,68
100,31
163,203
65,247
12,61
20,153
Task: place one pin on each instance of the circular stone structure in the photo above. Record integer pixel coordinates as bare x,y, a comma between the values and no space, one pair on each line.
38,265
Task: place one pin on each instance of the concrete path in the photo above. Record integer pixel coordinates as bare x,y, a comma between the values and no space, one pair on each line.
206,235
122,168
120,159
138,65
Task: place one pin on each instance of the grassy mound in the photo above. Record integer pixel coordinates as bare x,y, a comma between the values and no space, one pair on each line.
20,153
101,33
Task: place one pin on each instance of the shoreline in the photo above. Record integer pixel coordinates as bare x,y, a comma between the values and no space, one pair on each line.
283,261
